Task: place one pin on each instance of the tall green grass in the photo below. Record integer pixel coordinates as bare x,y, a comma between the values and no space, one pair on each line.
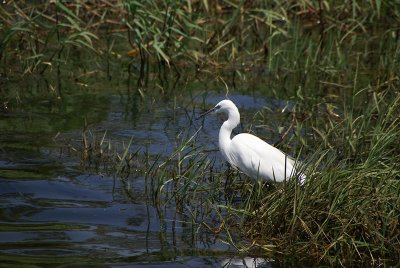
238,35
347,212
336,61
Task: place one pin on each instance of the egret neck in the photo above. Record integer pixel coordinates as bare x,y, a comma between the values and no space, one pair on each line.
226,131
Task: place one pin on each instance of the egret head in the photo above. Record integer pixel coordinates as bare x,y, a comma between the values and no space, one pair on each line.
224,106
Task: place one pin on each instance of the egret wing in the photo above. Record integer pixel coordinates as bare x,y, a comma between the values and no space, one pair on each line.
257,158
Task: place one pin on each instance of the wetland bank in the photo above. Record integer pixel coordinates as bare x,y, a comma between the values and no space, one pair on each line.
102,163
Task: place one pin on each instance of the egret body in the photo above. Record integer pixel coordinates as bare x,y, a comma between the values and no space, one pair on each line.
250,154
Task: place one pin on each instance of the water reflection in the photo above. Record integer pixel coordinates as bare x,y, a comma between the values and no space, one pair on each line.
247,262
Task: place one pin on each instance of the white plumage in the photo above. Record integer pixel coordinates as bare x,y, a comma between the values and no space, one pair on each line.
250,154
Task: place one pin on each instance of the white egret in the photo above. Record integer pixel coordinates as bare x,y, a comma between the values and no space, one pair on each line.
250,154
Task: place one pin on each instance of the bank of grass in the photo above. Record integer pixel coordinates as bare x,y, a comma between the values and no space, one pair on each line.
347,213
308,51
238,36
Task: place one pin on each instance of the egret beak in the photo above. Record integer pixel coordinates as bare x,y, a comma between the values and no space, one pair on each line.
205,113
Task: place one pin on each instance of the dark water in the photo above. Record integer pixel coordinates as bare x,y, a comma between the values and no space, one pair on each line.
54,212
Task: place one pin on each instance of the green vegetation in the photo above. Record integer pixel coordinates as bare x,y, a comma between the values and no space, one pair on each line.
346,213
293,37
336,60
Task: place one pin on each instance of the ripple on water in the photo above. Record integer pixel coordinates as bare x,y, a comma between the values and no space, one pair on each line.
53,213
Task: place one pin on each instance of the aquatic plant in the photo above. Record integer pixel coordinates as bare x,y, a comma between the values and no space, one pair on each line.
337,61
347,212
236,35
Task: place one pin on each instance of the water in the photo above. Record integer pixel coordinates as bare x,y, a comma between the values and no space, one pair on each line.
54,212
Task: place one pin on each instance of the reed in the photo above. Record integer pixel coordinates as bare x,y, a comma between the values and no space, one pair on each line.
336,60
346,213
201,34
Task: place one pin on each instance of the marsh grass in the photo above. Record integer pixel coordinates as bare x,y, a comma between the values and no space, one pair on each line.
336,60
100,153
347,212
212,38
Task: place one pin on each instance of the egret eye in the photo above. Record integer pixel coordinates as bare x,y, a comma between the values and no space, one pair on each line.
217,107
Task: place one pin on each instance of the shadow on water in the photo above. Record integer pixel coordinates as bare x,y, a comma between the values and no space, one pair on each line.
53,211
